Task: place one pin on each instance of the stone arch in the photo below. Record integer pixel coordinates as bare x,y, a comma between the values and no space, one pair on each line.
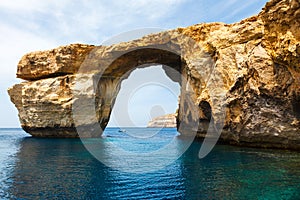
108,81
107,67
89,77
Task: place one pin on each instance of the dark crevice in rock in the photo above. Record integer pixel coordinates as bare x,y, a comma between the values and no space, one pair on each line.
206,109
296,107
53,75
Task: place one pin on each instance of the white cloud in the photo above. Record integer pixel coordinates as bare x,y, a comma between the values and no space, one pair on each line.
20,5
86,20
32,5
240,9
15,43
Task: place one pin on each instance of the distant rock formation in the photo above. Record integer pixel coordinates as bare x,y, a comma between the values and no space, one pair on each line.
253,67
167,121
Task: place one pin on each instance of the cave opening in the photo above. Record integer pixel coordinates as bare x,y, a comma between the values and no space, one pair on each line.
205,117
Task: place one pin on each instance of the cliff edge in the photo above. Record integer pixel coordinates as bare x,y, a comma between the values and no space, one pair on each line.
166,121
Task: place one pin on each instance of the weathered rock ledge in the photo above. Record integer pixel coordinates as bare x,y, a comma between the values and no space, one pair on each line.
243,77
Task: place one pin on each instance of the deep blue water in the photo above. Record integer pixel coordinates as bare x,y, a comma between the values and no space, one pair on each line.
32,168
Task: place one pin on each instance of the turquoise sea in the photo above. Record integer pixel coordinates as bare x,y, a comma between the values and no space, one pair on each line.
32,168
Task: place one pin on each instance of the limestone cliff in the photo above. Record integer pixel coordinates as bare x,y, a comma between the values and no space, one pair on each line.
245,76
167,121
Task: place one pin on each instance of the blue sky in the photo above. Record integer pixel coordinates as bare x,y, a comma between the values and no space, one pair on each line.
30,25
146,94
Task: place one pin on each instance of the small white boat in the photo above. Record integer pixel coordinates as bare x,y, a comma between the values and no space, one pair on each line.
122,130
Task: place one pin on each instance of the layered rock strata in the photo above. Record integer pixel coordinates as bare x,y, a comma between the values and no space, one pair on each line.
242,77
166,121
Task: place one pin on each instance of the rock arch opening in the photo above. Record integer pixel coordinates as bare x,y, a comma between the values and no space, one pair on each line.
146,93
119,71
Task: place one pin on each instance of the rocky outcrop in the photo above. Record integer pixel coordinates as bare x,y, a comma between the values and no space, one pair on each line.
166,121
53,63
244,78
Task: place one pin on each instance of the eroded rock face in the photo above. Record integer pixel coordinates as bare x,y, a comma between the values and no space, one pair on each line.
245,76
167,121
53,63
